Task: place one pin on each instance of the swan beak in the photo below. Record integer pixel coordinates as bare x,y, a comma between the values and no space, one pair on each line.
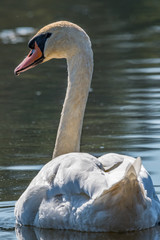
34,57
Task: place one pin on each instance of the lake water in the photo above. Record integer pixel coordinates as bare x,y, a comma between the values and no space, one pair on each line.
123,110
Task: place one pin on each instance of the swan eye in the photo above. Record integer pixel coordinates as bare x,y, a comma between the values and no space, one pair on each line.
31,43
48,34
40,40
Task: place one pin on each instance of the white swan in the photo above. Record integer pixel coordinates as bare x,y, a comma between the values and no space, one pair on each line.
76,190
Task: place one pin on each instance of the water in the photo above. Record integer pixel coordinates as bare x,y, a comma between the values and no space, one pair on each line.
123,110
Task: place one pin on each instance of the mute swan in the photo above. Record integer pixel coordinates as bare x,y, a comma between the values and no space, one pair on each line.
76,190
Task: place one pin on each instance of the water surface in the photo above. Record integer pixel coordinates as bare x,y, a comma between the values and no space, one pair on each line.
123,110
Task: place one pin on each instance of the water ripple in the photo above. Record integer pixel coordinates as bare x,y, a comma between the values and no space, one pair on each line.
21,168
143,70
17,35
7,219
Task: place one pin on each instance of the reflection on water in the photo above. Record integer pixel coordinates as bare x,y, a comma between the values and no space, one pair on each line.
21,168
123,110
15,36
26,233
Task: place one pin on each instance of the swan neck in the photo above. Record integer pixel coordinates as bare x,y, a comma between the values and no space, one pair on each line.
80,67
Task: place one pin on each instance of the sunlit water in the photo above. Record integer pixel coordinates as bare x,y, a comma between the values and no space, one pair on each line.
123,110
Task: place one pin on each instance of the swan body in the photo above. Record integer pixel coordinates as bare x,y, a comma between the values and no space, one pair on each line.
77,190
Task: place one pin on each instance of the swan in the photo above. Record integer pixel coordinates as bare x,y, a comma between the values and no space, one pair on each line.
77,190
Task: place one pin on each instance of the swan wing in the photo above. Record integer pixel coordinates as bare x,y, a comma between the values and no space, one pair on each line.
75,191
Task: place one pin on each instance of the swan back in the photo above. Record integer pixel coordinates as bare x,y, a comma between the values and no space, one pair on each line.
76,192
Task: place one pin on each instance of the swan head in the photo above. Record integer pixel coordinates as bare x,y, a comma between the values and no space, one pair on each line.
57,40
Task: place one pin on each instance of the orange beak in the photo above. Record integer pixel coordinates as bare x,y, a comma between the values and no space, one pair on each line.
34,57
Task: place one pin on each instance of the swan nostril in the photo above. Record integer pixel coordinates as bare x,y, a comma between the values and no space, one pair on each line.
30,53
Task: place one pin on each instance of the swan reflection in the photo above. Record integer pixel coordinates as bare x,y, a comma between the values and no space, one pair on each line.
30,233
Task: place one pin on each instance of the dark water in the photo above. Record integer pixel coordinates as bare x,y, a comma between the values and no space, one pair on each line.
123,110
